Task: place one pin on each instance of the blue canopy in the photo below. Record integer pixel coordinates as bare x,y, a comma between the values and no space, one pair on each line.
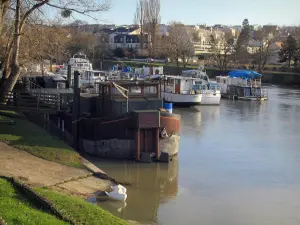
127,69
245,74
114,68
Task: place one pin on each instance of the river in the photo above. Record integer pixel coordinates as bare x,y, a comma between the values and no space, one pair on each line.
239,164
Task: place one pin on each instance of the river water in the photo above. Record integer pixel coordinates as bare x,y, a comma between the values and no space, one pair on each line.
239,164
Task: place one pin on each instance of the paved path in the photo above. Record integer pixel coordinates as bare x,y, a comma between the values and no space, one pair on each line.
38,172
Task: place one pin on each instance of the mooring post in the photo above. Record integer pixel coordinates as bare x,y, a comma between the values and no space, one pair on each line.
156,131
138,145
63,129
76,110
69,77
48,122
45,121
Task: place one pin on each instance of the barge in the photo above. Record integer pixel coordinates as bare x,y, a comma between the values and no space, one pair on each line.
125,120
243,85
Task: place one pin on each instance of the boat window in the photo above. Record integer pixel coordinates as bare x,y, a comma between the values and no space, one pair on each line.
79,56
177,81
169,82
224,81
96,74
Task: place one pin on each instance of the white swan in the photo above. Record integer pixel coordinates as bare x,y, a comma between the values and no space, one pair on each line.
118,187
117,195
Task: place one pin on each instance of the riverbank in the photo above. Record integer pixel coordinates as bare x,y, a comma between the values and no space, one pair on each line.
50,167
271,77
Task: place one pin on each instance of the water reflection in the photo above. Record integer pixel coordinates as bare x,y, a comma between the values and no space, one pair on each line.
152,185
194,119
239,164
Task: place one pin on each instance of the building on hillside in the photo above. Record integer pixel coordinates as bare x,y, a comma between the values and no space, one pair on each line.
273,57
126,38
255,46
129,37
202,45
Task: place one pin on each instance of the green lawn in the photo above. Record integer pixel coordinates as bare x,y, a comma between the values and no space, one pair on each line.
29,137
15,208
80,210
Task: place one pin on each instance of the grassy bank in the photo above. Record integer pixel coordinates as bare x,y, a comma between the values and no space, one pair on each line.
29,137
80,210
16,209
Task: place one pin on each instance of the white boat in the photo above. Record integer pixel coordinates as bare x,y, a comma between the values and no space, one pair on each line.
78,62
179,90
92,77
242,84
211,94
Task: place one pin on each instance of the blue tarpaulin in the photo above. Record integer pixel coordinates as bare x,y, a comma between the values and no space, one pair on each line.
245,74
114,68
127,69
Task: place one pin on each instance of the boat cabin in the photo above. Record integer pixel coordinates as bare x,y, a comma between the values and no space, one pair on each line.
242,84
239,81
93,75
181,85
80,61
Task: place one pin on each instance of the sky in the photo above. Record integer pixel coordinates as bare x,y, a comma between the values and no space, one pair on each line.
210,12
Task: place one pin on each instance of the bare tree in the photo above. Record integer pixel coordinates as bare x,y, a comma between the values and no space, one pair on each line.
139,19
264,49
152,21
42,43
179,44
22,11
222,48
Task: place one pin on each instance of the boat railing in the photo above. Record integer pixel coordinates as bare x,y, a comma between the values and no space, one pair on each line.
264,93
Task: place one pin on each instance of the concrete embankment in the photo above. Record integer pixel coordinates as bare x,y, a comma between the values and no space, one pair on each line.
29,153
38,172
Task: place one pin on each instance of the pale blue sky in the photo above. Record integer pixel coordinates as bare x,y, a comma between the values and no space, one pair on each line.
229,12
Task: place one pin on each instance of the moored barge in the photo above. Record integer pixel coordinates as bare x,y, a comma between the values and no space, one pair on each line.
243,85
125,120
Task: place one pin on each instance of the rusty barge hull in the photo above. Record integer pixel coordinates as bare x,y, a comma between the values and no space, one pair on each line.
135,135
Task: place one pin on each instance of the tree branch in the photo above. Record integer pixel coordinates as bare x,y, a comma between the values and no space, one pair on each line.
104,7
26,15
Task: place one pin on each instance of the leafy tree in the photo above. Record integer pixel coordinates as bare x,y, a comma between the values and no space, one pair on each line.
119,52
242,41
288,51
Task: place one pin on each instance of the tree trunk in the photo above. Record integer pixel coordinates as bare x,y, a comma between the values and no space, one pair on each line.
4,4
15,67
6,64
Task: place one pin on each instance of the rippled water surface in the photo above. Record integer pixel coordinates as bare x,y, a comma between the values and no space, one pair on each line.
239,164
